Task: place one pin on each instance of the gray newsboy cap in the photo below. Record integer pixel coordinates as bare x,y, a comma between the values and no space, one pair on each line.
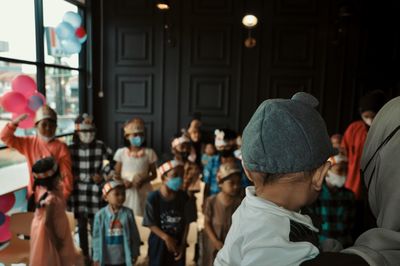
286,136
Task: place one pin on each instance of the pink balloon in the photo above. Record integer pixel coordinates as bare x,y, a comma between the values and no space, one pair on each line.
5,233
14,102
7,202
24,84
36,100
28,122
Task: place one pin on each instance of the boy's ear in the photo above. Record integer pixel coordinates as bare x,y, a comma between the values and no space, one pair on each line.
248,174
319,176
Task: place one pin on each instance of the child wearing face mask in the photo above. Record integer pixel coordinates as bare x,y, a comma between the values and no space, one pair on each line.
165,215
88,155
44,144
135,166
335,205
225,144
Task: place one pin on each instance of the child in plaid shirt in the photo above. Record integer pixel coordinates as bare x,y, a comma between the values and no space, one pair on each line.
88,155
335,205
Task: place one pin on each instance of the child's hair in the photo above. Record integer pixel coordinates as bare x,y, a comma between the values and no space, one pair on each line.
45,173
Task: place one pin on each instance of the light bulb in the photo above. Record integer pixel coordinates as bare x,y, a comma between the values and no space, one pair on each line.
249,21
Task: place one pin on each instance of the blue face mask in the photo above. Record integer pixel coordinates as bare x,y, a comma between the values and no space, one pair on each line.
136,141
175,183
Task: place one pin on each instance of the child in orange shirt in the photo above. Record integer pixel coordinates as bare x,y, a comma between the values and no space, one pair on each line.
44,144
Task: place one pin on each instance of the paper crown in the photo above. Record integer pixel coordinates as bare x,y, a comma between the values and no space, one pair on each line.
165,167
134,126
179,140
337,159
44,168
84,123
45,112
219,138
110,185
227,169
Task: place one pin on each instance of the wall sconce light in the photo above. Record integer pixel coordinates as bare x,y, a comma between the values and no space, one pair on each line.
249,22
163,5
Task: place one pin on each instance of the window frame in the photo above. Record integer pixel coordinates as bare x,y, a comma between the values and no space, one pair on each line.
85,59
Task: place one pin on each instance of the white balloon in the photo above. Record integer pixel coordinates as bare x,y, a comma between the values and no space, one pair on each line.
72,18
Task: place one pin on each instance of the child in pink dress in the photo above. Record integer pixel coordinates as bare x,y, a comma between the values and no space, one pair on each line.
51,238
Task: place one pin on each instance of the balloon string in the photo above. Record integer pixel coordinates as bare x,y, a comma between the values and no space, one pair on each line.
101,93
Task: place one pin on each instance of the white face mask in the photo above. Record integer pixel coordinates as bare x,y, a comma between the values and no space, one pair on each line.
367,121
86,137
335,179
44,138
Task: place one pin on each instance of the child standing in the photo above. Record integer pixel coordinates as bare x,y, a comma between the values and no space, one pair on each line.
336,204
44,144
225,143
51,239
218,211
135,166
209,152
88,155
165,216
116,239
285,151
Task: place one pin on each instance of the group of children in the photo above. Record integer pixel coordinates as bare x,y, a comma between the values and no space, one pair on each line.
254,195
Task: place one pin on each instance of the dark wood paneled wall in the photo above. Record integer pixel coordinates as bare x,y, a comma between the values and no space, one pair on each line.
165,66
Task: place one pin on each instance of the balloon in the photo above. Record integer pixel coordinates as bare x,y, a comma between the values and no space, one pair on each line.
5,233
13,102
72,18
36,100
2,218
24,84
65,31
7,202
71,46
80,32
20,199
28,122
83,39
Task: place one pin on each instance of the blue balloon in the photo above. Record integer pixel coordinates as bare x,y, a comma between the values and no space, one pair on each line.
71,46
34,102
2,218
64,31
72,18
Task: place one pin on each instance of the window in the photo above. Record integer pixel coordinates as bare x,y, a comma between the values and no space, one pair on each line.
25,48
